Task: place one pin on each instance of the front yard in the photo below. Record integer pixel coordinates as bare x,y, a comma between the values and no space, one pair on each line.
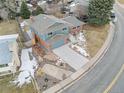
7,87
95,37
7,28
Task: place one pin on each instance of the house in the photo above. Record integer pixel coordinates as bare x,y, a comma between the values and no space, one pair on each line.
9,60
4,13
49,32
79,7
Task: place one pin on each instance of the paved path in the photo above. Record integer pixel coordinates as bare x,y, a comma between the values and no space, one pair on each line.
99,78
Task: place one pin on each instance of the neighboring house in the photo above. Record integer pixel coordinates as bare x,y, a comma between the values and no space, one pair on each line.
79,7
49,31
4,13
11,5
9,60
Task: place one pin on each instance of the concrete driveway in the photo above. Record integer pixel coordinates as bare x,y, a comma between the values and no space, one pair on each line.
71,57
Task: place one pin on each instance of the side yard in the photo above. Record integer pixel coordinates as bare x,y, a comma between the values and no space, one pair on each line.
95,37
7,87
7,28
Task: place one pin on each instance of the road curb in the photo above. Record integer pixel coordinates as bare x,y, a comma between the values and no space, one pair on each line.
58,88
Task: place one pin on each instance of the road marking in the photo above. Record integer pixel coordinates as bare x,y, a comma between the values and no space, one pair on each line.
114,80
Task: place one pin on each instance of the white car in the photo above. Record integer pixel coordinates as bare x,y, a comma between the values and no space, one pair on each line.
113,16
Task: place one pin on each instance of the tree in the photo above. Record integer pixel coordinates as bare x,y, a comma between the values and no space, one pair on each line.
24,12
99,11
38,11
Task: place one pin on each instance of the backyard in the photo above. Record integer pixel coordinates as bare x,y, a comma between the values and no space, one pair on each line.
7,28
7,87
95,37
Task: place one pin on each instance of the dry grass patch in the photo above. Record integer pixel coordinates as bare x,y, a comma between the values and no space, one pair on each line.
7,87
59,15
95,37
7,28
121,1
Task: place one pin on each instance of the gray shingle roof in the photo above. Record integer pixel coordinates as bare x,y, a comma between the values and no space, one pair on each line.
43,22
73,20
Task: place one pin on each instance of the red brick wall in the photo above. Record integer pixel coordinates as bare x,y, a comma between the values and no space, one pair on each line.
41,42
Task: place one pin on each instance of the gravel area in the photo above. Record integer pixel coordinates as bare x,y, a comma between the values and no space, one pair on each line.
45,81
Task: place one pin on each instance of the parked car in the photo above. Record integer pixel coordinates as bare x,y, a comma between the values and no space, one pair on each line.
113,16
69,2
83,18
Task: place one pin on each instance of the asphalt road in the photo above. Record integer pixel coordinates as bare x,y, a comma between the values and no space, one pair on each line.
100,77
119,86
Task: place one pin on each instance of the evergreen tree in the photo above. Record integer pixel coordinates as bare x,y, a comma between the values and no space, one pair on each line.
99,11
38,11
24,12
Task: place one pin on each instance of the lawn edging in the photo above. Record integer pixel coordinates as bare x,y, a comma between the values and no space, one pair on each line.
58,88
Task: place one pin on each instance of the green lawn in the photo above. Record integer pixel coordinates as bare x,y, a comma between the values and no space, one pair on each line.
7,87
7,28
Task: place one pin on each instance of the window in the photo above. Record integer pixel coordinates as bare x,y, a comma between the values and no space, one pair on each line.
64,28
74,27
3,65
78,26
50,33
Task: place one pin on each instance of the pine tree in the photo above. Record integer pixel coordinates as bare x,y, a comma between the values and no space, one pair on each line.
99,11
24,12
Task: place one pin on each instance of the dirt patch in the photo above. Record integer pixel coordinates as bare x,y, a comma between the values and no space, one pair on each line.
95,37
59,15
7,28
